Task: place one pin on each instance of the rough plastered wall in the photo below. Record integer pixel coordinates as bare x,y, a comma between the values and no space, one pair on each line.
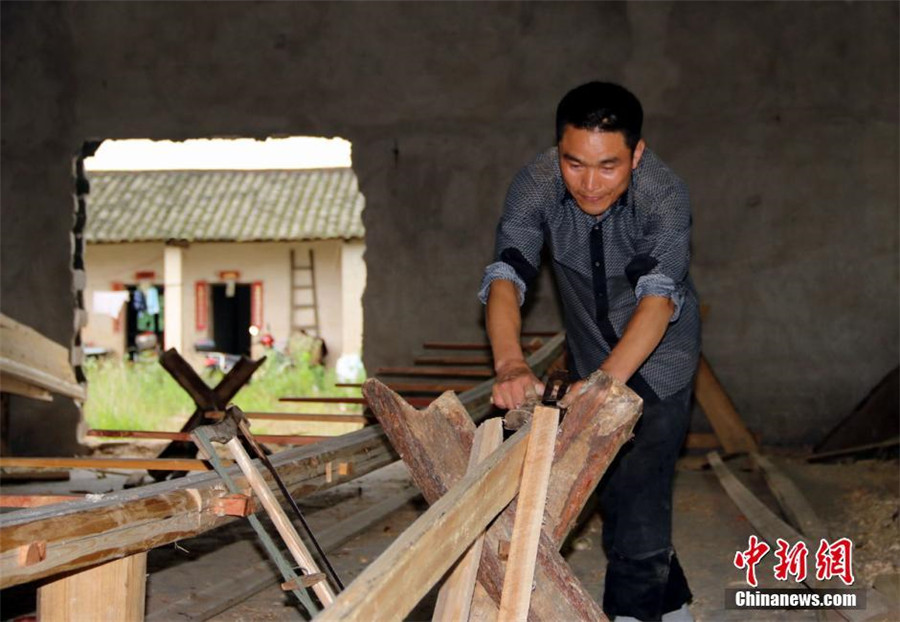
782,117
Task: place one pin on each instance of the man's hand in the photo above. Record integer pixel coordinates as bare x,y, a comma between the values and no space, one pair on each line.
515,382
590,392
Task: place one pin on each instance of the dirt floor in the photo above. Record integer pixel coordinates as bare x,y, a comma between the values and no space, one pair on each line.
859,500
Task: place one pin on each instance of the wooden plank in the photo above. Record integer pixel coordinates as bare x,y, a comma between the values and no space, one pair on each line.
770,528
111,592
793,502
182,464
205,398
860,449
453,360
418,387
280,439
33,501
415,401
483,608
322,417
23,475
455,596
280,520
435,444
10,384
530,346
28,356
82,533
188,379
392,585
722,415
238,587
700,440
450,372
516,595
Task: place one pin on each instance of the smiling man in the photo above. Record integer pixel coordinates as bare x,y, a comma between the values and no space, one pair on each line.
617,223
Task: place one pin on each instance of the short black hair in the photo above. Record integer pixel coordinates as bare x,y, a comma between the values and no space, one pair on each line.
602,106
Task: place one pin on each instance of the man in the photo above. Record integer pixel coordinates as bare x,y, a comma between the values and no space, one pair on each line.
617,224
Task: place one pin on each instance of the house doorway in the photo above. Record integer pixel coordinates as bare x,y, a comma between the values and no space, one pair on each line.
231,318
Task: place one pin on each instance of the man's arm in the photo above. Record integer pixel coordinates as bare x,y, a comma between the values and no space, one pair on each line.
515,380
642,334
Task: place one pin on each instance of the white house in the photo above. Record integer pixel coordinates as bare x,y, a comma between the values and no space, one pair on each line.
226,256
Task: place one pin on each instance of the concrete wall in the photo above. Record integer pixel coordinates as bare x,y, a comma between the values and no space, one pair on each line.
268,262
782,117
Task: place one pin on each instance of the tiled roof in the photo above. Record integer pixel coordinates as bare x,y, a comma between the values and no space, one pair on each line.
207,206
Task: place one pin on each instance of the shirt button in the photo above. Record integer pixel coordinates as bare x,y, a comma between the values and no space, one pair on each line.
596,227
597,264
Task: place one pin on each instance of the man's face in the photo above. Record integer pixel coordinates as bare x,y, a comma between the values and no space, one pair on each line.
596,166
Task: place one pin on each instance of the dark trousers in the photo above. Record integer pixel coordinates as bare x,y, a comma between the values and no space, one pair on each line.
643,577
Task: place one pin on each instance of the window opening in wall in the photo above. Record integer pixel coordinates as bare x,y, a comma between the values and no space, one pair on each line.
207,246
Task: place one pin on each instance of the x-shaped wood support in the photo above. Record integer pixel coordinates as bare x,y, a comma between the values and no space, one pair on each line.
435,444
205,398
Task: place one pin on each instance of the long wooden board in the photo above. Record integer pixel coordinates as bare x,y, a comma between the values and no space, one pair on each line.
453,372
455,596
184,464
523,546
10,384
529,346
28,356
453,360
241,585
282,439
82,533
793,502
111,592
419,387
722,415
391,586
322,417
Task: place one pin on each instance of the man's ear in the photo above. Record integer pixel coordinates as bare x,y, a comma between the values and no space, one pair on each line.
638,152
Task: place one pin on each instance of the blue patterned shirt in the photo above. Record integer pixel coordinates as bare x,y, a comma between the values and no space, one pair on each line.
605,264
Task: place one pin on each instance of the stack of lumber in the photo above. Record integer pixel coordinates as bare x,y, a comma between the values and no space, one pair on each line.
478,494
34,366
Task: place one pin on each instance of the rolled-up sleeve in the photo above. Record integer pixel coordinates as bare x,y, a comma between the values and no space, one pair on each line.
519,237
666,245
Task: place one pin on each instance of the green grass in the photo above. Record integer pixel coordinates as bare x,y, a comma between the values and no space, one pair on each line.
125,395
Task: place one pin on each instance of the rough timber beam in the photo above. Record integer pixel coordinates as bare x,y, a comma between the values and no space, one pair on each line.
85,533
392,585
435,445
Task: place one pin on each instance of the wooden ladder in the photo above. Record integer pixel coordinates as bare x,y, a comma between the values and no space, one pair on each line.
299,284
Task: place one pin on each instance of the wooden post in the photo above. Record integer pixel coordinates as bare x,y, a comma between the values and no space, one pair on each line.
722,415
295,545
455,597
111,592
173,260
392,585
516,595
